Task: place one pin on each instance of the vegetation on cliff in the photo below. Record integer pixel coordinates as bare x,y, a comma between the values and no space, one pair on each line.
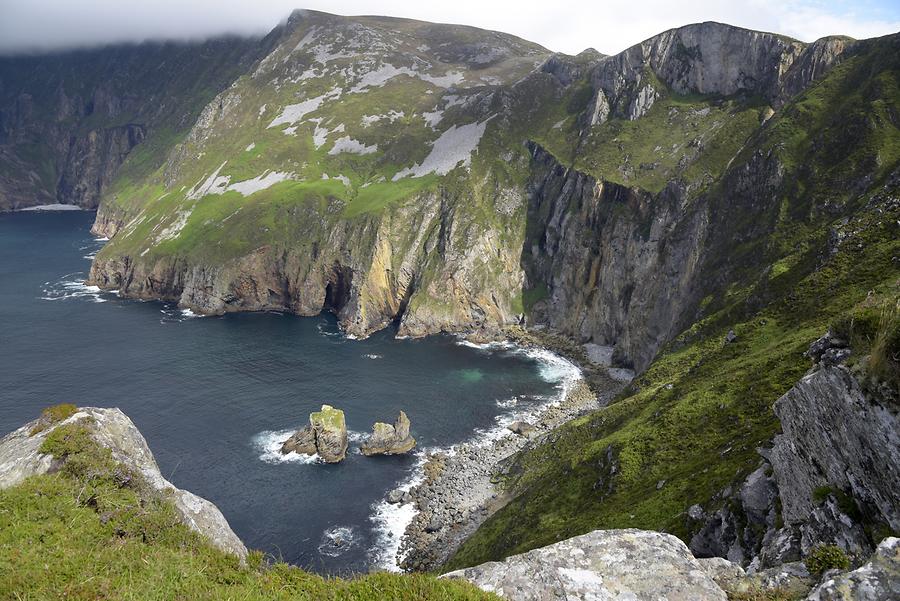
690,425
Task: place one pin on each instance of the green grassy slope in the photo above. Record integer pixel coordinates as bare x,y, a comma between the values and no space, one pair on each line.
92,531
696,417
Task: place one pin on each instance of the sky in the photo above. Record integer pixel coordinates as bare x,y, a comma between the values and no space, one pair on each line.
562,25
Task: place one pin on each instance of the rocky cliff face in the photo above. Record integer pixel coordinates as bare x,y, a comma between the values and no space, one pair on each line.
20,458
448,212
837,443
617,263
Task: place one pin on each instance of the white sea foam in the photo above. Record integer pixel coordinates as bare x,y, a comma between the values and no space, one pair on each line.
71,286
337,540
372,356
508,403
269,442
390,521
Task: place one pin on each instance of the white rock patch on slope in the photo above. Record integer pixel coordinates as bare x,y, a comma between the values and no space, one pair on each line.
349,145
455,146
260,182
292,113
174,229
220,184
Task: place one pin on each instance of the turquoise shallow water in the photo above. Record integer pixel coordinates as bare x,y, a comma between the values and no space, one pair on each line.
214,396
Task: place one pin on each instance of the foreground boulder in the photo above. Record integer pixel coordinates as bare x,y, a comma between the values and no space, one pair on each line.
326,435
605,564
386,439
20,458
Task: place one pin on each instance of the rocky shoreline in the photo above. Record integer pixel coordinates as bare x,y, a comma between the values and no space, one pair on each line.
461,488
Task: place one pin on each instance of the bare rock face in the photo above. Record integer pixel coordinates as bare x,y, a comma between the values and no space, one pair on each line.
835,436
326,435
302,441
605,564
877,580
20,458
389,440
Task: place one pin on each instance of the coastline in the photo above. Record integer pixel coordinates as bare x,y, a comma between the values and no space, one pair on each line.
453,491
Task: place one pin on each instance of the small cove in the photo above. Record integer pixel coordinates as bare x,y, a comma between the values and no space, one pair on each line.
215,395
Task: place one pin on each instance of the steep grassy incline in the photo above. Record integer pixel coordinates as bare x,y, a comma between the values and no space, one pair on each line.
93,531
69,120
814,246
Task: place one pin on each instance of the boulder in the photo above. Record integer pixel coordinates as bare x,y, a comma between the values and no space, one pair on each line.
326,435
389,440
521,428
728,575
20,458
877,580
302,441
605,564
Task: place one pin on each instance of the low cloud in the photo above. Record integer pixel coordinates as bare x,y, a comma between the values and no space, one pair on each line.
566,25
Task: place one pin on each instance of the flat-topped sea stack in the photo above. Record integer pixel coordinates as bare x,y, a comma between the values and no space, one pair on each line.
326,435
389,440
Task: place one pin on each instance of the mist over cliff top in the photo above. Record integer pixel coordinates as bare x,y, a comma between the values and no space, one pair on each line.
567,26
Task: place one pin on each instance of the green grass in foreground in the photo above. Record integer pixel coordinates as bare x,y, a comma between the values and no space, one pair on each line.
94,531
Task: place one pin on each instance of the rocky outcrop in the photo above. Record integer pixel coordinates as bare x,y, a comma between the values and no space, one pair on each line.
708,58
326,435
836,441
389,440
877,580
20,458
604,564
743,521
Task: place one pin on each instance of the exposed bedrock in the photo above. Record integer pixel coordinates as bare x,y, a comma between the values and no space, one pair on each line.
707,58
423,264
617,263
20,458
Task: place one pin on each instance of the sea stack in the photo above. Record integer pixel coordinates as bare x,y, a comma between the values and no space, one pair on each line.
326,435
389,440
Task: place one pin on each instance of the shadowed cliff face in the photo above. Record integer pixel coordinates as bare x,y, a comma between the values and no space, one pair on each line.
69,120
618,264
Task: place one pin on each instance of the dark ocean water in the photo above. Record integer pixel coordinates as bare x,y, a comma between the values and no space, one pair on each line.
214,396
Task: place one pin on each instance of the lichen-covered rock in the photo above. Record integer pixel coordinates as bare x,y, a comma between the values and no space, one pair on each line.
331,433
835,436
877,580
605,564
326,435
389,440
728,575
20,458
